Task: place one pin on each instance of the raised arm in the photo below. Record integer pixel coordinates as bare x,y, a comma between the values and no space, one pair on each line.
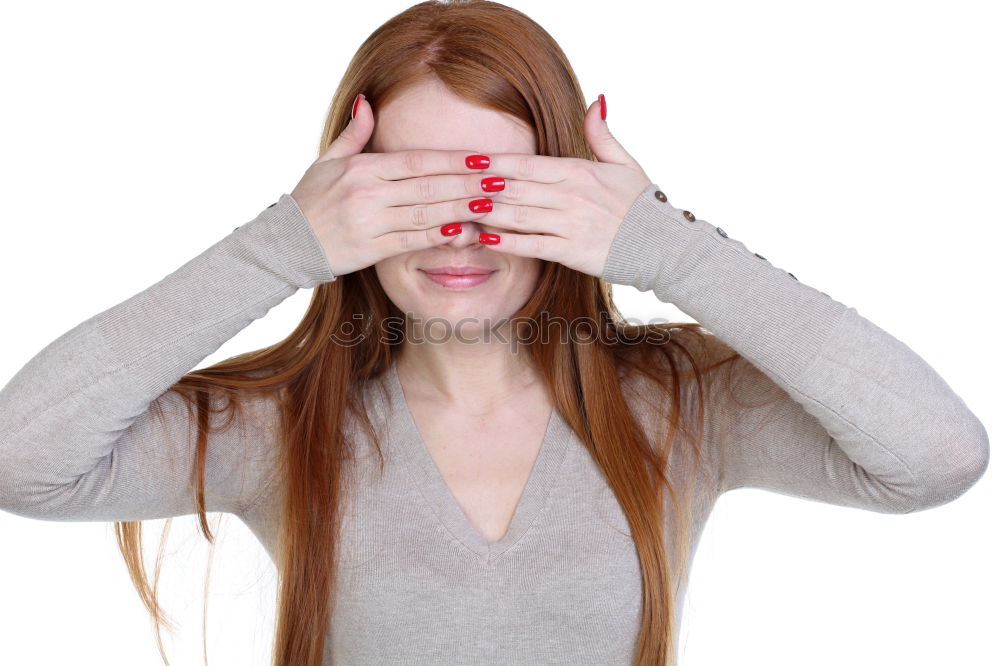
859,418
78,438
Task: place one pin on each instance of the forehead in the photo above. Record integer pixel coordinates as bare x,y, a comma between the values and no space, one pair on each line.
429,116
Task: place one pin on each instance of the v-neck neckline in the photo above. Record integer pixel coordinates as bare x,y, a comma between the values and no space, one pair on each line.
442,501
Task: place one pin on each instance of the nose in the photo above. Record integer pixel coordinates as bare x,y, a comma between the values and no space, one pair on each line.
469,235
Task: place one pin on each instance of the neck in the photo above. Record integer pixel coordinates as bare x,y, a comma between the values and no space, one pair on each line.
476,378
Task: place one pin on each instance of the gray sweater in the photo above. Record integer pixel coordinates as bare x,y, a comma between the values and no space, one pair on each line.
863,422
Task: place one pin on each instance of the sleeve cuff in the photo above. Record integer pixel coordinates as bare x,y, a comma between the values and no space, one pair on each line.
283,229
651,235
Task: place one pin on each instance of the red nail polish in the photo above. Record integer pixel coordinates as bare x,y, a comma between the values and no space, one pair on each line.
452,229
481,205
604,107
354,109
493,184
488,239
477,162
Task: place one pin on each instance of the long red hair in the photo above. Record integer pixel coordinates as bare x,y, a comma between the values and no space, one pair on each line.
496,57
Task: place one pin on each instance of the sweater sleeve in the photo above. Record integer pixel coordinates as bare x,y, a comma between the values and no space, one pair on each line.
861,420
78,440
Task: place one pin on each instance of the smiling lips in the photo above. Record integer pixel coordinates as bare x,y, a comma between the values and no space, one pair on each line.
458,277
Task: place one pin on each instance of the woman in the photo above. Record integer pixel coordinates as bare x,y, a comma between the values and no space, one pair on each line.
491,469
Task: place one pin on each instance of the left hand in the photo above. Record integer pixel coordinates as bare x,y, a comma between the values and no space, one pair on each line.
565,209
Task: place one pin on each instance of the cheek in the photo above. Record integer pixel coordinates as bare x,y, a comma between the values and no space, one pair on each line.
393,265
391,273
526,269
523,275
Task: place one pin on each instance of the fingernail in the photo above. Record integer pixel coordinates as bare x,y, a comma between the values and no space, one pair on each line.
604,107
488,239
477,162
481,205
493,184
452,229
354,109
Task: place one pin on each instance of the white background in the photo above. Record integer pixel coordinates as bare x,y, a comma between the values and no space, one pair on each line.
853,143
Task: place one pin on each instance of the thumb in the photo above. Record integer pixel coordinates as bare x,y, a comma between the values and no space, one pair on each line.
605,146
357,133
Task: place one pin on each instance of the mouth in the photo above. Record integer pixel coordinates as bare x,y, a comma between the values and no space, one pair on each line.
458,277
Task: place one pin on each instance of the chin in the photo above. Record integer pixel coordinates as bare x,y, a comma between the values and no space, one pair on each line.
470,315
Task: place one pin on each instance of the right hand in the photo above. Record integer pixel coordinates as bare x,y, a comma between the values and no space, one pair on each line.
365,207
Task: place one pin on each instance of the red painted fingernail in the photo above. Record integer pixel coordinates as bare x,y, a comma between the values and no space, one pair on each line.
604,107
493,184
477,162
481,205
354,109
452,229
488,239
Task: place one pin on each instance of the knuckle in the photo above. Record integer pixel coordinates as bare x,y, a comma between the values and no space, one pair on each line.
425,189
540,245
412,161
357,161
577,200
418,215
521,216
362,191
513,190
403,241
525,168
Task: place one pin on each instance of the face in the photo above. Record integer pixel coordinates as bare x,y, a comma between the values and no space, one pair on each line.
429,116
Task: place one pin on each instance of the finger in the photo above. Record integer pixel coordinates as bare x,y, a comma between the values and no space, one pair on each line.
397,242
447,187
527,219
532,193
433,189
422,162
355,136
539,246
423,216
539,168
605,146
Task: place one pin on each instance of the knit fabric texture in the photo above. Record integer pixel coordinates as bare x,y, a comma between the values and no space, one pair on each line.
862,421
